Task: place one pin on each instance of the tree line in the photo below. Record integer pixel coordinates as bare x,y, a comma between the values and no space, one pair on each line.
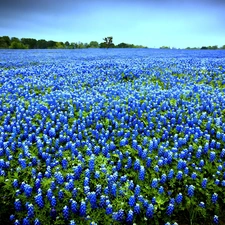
31,43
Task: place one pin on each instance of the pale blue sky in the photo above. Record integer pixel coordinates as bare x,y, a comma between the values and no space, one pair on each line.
153,23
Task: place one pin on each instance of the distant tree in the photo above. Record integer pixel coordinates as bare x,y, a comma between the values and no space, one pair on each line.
108,42
42,44
59,45
204,48
86,45
223,47
17,45
51,44
165,47
93,44
67,44
15,39
30,42
3,43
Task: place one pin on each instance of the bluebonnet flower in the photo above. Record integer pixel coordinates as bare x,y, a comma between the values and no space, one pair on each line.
156,168
39,201
114,189
92,163
204,183
120,215
194,176
201,163
26,221
212,156
222,153
179,198
53,201
163,178
141,173
148,162
132,201
72,222
130,216
18,205
12,217
170,174
109,209
223,183
137,190
137,209
28,190
191,190
137,164
82,208
93,200
144,154
154,183
179,175
15,183
202,204
215,219
30,210
64,163
150,211
153,201
214,198
17,222
170,209
60,194
66,212
161,190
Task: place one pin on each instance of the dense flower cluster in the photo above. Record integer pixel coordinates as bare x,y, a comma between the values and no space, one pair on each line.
119,136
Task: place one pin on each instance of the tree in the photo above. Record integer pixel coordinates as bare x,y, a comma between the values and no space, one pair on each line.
108,42
17,45
30,42
93,44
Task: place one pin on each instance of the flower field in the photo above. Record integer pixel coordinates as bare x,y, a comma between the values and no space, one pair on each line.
112,137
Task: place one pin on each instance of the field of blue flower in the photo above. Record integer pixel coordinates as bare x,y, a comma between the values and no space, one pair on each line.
112,137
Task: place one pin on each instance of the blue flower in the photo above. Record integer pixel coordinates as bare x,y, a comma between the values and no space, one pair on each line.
202,204
191,190
137,190
204,183
215,219
30,212
109,209
132,201
130,216
39,201
72,222
214,198
170,209
137,209
141,173
154,183
66,212
150,211
18,205
93,200
179,175
212,156
82,209
74,206
170,175
179,198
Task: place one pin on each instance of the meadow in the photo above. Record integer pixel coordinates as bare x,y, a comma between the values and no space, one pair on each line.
97,136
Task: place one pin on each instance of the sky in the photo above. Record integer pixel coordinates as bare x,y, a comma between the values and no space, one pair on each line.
151,23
